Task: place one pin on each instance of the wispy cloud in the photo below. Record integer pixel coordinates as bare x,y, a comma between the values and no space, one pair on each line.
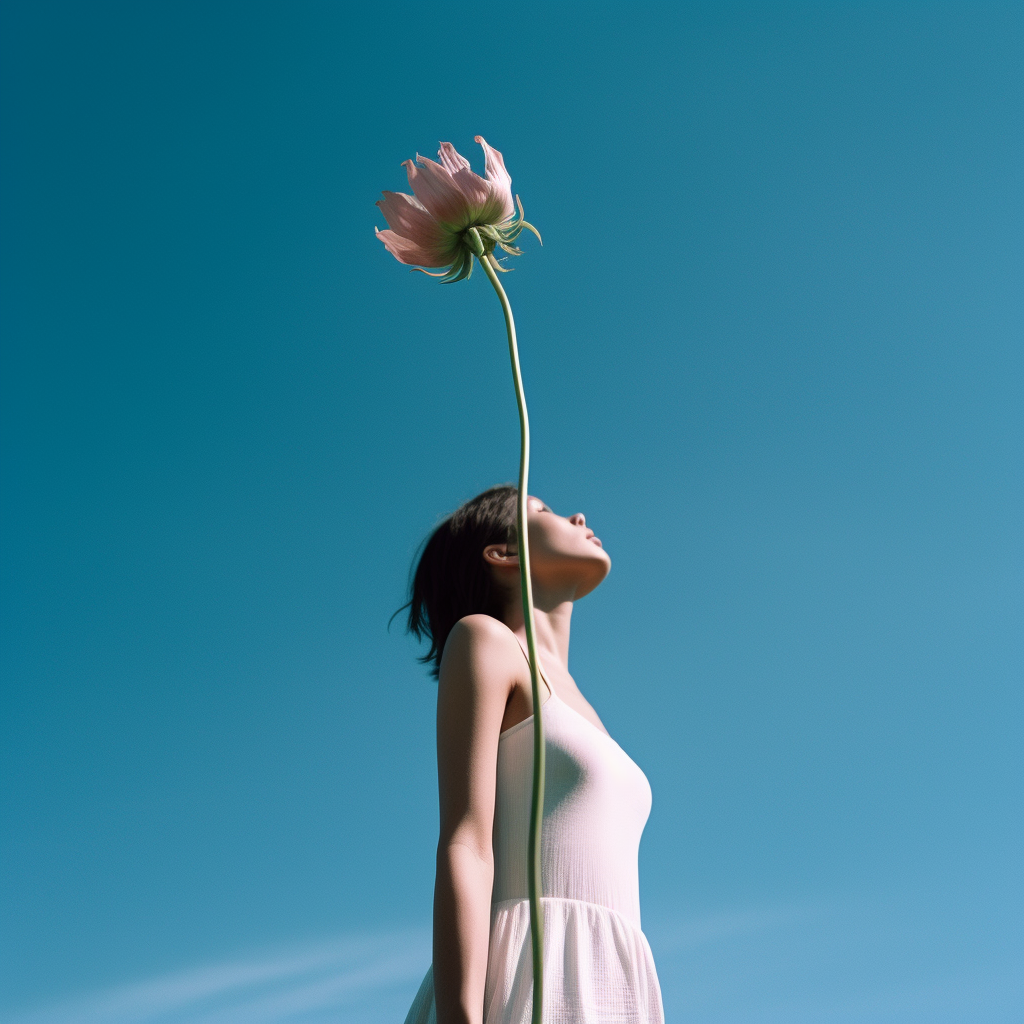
312,983
902,960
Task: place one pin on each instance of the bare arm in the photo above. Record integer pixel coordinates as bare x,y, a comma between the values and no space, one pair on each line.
474,685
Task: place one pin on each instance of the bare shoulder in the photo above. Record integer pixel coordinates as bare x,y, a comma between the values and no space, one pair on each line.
476,678
484,630
481,652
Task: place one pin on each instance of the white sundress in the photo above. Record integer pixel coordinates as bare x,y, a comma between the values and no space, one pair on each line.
598,967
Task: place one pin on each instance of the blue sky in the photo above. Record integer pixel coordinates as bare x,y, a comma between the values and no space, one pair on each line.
772,348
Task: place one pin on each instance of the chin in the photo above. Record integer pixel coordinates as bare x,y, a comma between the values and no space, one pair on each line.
599,569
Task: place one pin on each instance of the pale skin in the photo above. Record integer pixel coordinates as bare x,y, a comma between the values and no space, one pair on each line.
484,688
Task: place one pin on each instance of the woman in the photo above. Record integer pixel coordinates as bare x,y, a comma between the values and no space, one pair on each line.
466,600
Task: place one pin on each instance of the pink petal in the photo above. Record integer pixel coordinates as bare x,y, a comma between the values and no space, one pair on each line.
478,196
451,159
409,219
406,251
436,189
500,179
479,193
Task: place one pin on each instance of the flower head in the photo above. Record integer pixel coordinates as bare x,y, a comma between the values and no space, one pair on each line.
453,215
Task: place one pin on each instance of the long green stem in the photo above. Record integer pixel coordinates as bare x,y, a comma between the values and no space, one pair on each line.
537,804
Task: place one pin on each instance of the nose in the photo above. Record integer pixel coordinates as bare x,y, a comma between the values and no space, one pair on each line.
578,520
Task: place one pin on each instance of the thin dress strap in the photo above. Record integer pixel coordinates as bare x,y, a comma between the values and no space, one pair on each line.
540,671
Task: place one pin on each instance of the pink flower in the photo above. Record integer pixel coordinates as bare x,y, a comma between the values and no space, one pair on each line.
453,215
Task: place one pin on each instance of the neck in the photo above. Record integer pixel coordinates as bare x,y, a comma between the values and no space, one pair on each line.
552,614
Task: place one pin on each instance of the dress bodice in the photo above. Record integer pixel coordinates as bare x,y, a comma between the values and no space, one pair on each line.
596,803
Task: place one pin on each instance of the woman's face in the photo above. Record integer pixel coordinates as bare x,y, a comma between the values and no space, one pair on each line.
564,552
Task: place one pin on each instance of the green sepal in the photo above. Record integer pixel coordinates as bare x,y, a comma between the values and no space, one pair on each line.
480,240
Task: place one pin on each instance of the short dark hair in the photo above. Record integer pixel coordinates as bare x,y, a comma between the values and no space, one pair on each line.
452,579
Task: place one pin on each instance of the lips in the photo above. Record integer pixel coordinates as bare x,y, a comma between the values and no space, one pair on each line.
596,540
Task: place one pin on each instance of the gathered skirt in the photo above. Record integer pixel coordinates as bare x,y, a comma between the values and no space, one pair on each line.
598,968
